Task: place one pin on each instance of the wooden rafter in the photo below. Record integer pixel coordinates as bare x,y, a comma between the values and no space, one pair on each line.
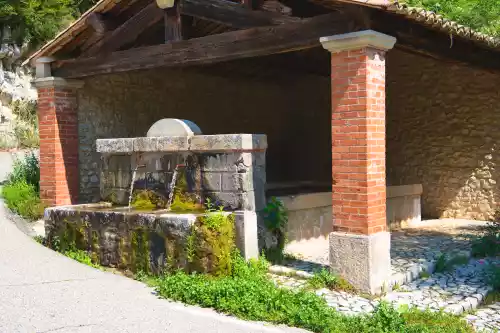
220,11
211,49
128,32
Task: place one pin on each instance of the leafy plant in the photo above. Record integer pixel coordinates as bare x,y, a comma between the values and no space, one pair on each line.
80,256
488,244
23,199
441,263
247,293
276,219
26,170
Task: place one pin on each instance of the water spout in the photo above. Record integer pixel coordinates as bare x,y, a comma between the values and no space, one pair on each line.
172,185
134,174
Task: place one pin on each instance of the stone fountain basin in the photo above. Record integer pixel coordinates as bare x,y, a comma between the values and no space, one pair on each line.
111,234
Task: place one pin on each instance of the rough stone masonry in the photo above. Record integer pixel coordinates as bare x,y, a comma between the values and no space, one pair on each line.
442,132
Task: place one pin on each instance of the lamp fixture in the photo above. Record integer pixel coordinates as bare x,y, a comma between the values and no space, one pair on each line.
164,4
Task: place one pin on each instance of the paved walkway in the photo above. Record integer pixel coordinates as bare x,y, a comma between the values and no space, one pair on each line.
43,291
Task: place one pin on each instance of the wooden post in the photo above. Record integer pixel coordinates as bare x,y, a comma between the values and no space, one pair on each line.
173,23
248,3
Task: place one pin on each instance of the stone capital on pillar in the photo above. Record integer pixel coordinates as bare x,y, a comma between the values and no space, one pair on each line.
57,82
360,243
358,40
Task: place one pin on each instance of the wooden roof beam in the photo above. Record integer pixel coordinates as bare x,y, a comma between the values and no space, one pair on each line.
210,49
220,11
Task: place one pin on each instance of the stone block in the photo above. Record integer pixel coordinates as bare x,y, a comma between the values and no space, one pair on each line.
237,182
364,260
118,196
238,201
211,181
232,162
173,143
246,234
122,145
145,144
228,142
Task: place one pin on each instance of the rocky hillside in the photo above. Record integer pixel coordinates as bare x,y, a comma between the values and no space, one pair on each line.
15,84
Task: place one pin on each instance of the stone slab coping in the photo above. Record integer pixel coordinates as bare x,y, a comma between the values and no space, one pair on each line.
324,199
196,143
306,201
100,207
448,222
404,190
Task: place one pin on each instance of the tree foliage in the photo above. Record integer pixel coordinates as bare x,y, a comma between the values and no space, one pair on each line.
481,15
36,21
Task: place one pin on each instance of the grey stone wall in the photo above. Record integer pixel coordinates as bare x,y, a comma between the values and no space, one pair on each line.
442,130
294,113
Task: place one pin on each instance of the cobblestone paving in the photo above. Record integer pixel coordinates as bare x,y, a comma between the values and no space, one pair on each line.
458,291
461,289
486,319
412,250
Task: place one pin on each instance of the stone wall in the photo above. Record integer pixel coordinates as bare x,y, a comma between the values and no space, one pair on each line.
293,112
442,132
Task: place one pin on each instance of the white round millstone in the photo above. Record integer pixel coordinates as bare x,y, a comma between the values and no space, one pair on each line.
173,127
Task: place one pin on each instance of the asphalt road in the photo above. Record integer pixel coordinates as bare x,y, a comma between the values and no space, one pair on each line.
43,291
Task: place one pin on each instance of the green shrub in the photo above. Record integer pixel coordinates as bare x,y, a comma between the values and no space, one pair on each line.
26,170
23,199
276,219
247,293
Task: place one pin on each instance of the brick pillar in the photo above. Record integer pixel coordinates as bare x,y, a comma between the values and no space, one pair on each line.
58,127
360,243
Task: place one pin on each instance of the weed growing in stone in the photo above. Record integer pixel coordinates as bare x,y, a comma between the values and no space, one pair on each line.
488,244
80,256
443,264
424,275
324,279
69,250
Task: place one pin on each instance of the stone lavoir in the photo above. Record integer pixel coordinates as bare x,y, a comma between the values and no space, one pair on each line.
173,199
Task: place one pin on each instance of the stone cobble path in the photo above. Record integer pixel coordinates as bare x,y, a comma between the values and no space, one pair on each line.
459,289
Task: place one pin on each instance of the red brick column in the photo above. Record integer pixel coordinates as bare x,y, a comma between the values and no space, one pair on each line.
58,128
358,149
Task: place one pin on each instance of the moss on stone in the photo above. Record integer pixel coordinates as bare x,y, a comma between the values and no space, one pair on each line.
95,252
212,244
148,200
140,250
185,203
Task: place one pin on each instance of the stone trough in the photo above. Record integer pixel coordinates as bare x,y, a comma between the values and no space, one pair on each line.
154,191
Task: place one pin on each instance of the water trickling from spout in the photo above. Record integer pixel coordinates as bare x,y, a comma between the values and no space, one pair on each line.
172,186
134,174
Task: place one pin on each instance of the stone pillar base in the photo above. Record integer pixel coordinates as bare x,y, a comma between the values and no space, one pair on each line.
363,260
246,234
